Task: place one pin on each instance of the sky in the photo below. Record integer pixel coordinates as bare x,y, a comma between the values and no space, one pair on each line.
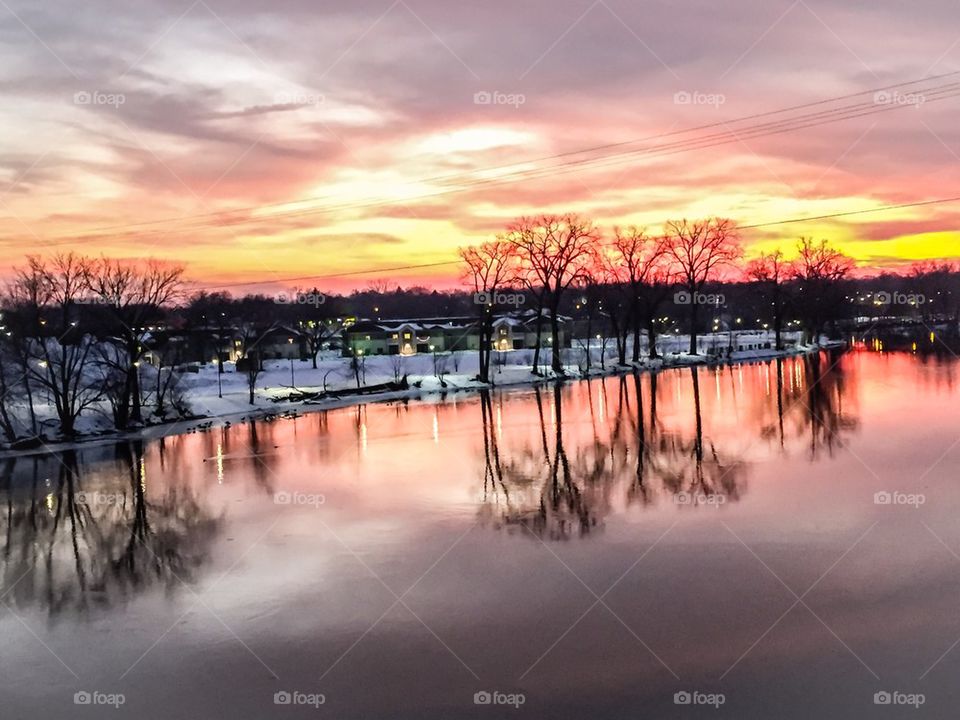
258,142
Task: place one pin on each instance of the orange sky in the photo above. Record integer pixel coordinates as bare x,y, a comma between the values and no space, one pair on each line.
360,131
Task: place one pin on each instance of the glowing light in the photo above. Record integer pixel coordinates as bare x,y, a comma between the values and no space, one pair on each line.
220,463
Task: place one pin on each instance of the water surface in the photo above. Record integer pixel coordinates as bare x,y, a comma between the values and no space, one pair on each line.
596,547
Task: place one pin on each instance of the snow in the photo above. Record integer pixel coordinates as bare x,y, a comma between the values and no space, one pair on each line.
226,398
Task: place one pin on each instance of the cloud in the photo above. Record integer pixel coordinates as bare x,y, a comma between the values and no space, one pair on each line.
355,100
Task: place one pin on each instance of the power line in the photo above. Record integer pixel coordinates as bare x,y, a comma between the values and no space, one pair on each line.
852,212
788,221
695,143
700,143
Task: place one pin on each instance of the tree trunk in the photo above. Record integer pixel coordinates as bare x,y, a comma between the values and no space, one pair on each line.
123,403
555,334
485,350
635,319
651,339
620,332
536,350
135,415
30,407
693,322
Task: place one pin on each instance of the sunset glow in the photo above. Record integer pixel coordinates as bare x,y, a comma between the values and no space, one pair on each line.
359,137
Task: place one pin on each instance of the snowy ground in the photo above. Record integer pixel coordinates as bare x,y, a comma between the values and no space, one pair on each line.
225,397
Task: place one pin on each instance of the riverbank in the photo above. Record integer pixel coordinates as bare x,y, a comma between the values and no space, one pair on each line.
223,399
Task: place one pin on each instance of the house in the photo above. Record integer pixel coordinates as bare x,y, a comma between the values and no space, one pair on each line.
275,342
514,331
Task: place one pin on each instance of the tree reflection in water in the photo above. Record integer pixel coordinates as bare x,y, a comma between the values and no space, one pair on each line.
810,403
558,490
76,543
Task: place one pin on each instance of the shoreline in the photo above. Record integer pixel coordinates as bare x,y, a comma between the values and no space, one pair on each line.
296,408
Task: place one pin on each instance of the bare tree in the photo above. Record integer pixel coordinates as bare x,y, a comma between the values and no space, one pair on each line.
134,294
530,237
698,249
820,269
490,267
643,263
772,272
12,374
60,355
251,357
440,367
396,364
554,250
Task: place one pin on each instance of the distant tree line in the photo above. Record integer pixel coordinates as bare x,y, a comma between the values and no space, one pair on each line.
627,282
74,330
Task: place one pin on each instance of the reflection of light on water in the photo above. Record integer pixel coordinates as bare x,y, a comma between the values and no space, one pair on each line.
499,422
600,403
143,473
363,437
48,501
716,378
436,428
220,463
766,378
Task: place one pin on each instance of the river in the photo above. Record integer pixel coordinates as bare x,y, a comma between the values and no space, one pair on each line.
776,539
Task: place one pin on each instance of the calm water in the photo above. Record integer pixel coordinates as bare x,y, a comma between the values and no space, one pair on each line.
597,547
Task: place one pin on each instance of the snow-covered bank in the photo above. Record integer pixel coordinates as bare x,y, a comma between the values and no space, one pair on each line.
221,399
